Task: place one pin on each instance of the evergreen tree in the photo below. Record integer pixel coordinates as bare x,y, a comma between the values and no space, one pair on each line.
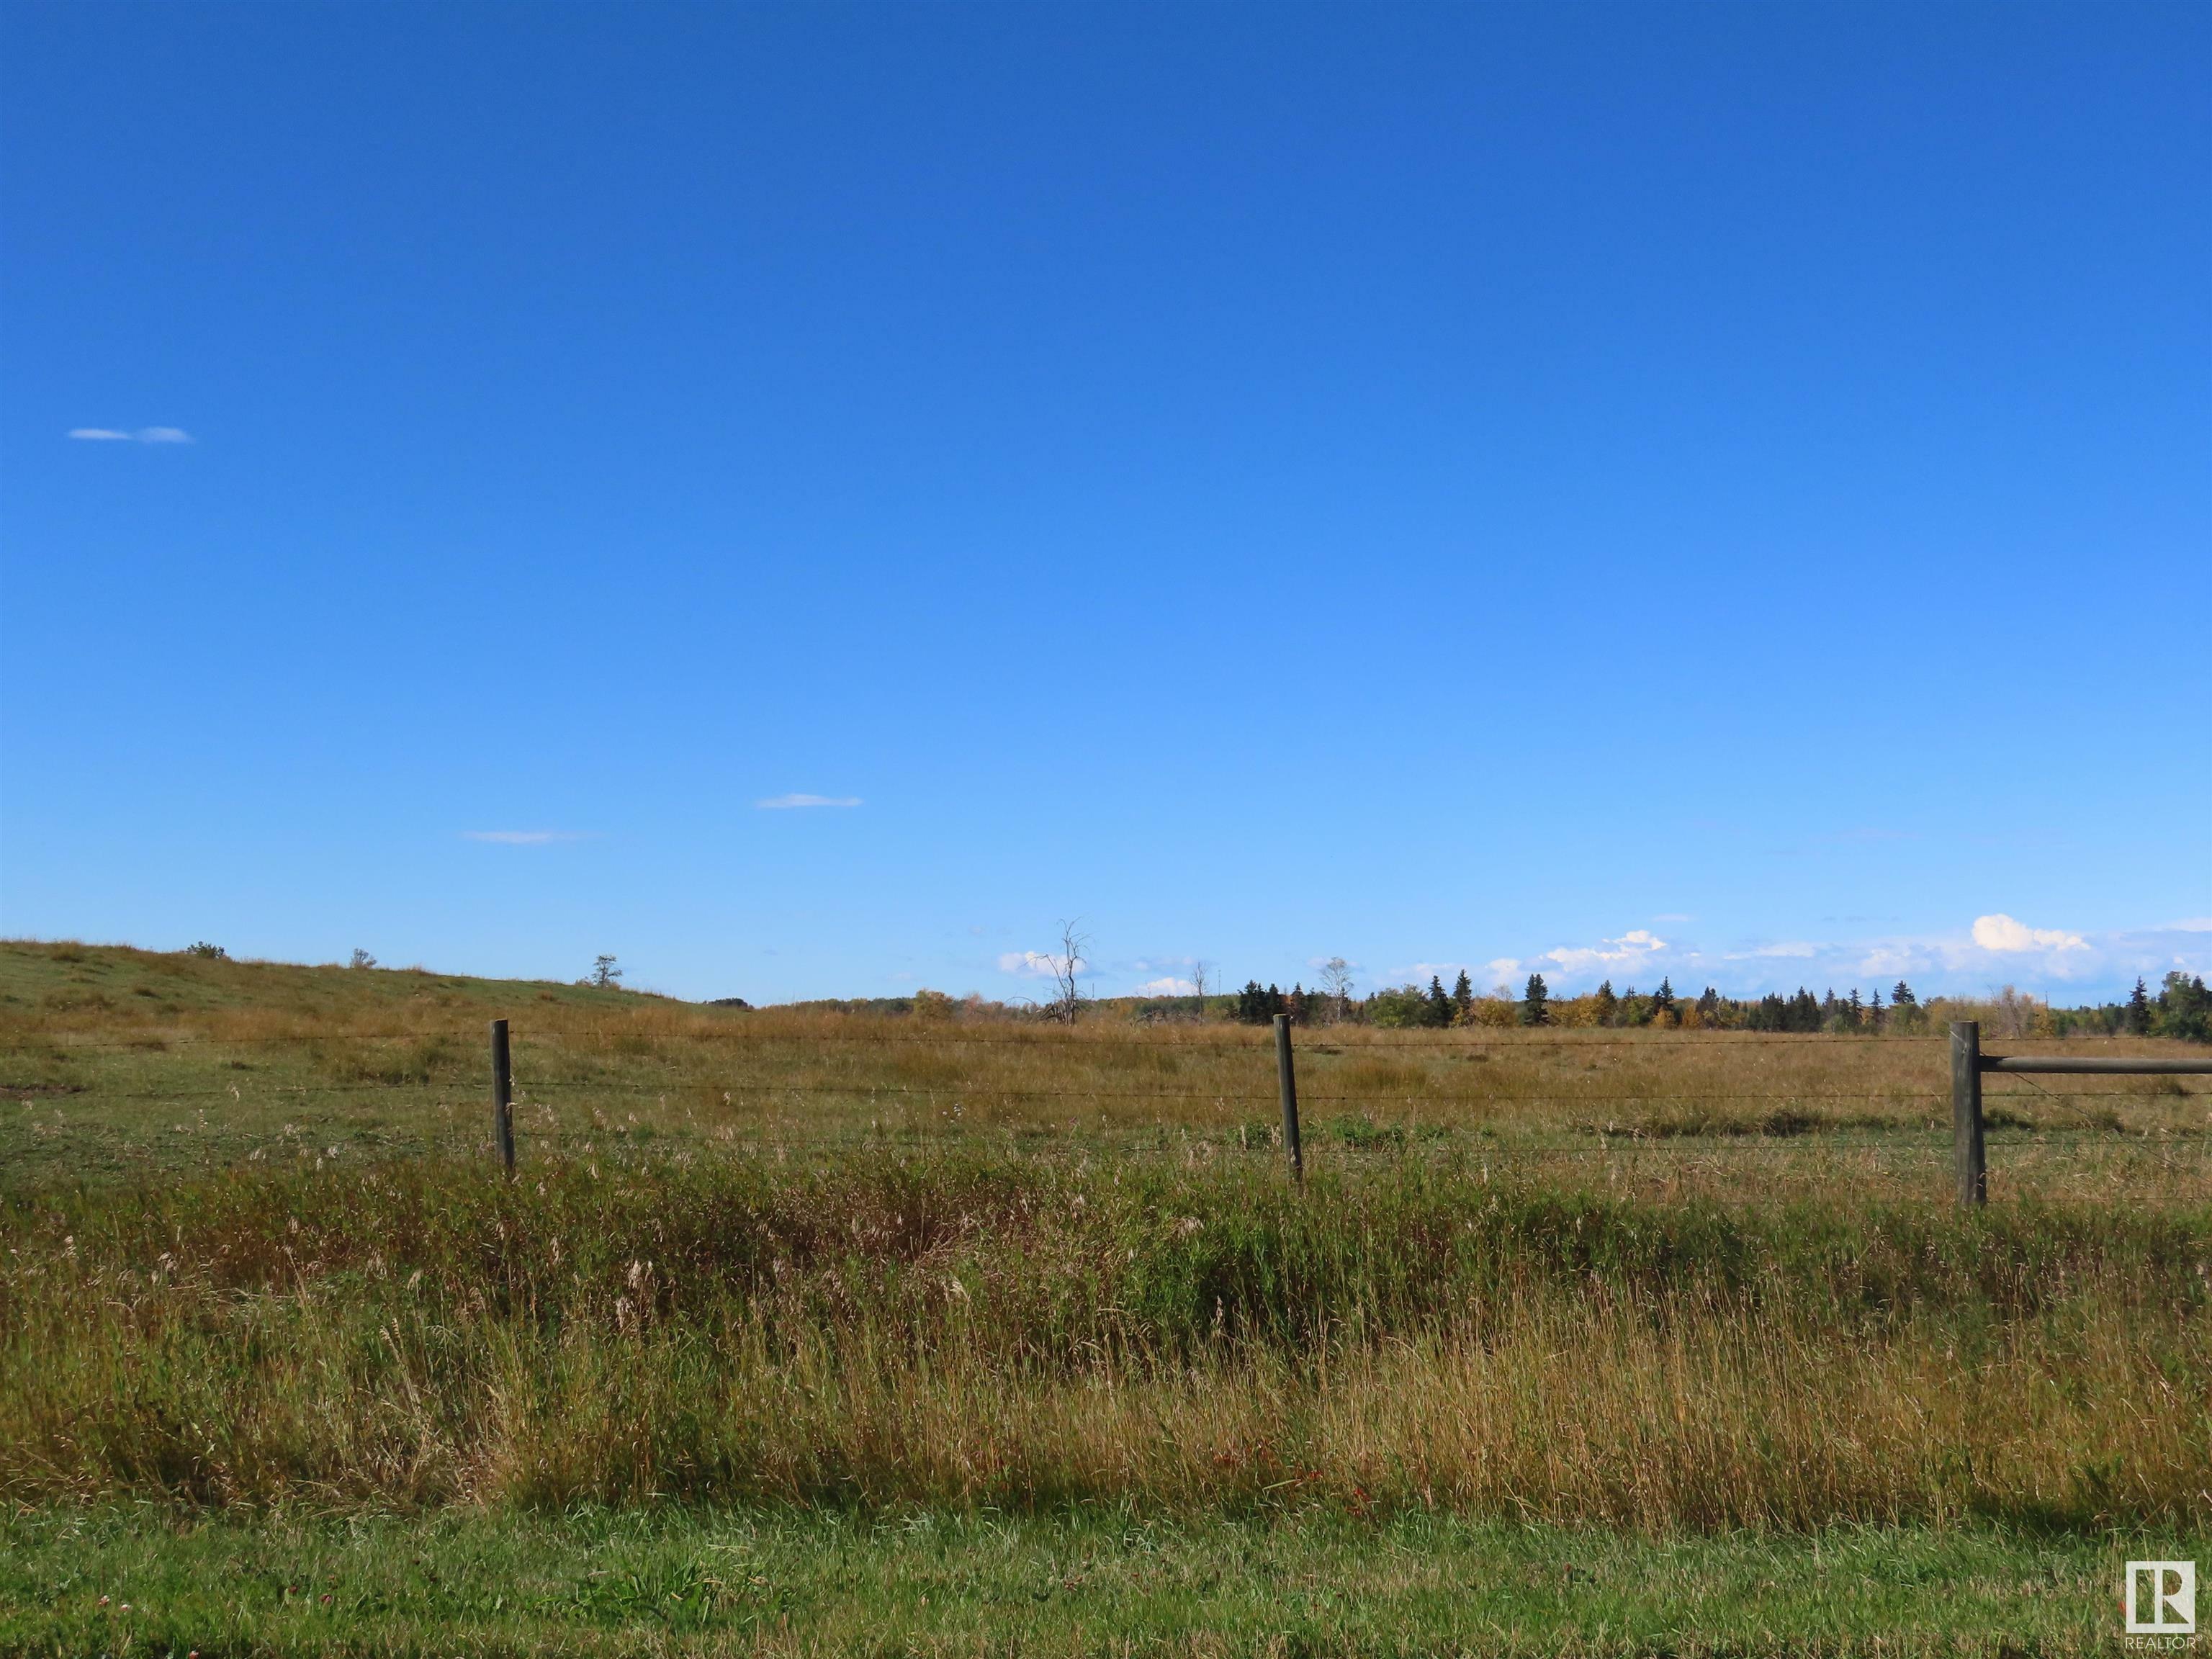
1535,1002
1902,997
1463,996
1876,1014
2138,1014
1709,1006
1608,1006
1662,1003
1256,1006
1440,1003
1854,1012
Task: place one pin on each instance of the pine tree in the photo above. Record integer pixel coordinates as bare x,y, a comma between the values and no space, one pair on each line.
1709,1006
1876,1014
1254,1003
2138,1014
1463,996
1535,1002
1608,1006
1439,1010
1662,1002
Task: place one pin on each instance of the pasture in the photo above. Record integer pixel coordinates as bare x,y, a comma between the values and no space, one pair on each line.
836,1332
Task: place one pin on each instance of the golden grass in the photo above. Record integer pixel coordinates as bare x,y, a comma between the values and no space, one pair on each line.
130,1065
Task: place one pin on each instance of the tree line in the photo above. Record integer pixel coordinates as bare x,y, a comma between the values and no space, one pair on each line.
2182,1008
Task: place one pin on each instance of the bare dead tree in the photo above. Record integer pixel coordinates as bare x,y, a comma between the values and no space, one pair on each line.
1198,974
1336,981
1066,969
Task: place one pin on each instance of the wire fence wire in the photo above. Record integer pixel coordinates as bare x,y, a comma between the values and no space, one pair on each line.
1320,1046
1376,1039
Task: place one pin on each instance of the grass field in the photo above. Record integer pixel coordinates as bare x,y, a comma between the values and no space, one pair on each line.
1606,1341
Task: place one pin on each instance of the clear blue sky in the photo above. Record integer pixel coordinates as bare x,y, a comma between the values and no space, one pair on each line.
1616,490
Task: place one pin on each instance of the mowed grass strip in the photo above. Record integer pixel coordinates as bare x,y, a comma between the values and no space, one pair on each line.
1091,1583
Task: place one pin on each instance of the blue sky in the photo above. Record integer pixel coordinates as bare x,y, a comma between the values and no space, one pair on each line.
1720,491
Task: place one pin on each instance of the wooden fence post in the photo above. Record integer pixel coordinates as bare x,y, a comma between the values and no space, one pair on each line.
1967,1158
1286,1074
502,1096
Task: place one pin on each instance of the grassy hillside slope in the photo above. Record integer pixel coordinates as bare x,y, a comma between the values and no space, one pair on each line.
126,1064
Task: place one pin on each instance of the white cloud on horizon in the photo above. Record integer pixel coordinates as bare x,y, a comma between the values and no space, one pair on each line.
2002,934
144,434
1169,987
786,803
1995,949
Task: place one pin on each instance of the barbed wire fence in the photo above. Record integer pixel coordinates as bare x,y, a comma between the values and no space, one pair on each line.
729,1063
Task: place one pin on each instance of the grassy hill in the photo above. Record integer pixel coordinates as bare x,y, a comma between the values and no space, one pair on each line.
123,1065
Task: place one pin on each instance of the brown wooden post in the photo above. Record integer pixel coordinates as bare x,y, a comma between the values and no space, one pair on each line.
1286,1074
1967,1159
502,1096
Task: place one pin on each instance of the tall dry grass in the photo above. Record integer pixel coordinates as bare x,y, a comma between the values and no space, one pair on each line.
979,1332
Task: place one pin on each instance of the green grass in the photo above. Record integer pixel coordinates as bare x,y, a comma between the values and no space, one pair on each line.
919,1581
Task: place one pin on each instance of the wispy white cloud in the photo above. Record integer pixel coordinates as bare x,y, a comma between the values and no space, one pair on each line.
144,434
1637,945
1415,972
525,837
786,803
1036,964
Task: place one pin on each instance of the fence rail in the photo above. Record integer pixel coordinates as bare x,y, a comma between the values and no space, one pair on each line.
1969,1154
